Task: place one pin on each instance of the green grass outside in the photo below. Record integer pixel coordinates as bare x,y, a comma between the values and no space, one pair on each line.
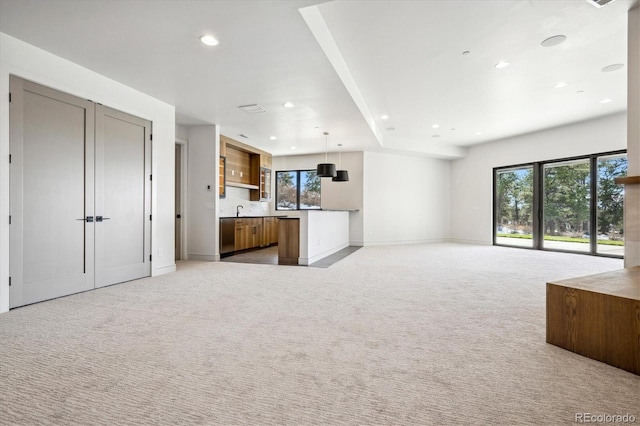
564,239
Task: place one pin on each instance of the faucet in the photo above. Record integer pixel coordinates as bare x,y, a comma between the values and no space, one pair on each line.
238,207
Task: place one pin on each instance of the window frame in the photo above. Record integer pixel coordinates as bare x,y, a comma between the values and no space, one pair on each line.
298,174
538,202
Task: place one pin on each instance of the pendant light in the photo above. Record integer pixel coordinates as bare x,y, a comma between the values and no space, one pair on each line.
341,175
326,169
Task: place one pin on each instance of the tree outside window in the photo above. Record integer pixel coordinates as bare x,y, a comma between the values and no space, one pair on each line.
297,190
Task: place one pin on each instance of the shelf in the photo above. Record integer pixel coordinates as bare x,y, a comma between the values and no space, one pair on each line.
242,185
629,180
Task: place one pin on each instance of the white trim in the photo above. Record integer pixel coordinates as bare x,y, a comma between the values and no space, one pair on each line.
204,257
164,270
309,260
184,144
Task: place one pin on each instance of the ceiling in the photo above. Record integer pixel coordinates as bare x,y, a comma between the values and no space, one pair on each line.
345,64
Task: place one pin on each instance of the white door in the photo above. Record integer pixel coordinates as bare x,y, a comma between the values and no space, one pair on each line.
122,197
80,194
51,200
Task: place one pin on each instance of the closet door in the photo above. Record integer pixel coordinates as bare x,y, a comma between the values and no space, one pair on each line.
122,197
51,200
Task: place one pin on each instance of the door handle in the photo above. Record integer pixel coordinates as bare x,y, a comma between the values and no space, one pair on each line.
87,219
100,218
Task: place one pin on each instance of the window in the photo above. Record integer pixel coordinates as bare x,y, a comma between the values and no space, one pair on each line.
514,206
297,190
568,205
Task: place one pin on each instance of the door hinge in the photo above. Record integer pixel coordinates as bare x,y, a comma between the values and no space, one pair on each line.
9,281
9,96
150,217
9,219
150,177
9,158
151,137
149,258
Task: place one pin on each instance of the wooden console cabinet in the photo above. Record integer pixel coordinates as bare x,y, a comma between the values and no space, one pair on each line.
598,316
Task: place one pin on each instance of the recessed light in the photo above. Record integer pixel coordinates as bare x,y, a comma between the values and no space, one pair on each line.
453,129
466,52
391,128
553,41
288,105
209,40
384,117
612,67
435,126
273,138
606,101
580,92
435,136
561,84
293,147
502,64
478,133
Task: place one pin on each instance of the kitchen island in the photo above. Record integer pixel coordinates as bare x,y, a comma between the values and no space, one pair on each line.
311,235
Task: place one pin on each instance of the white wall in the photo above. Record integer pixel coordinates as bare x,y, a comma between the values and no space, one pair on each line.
472,176
182,132
322,233
240,196
406,199
335,195
632,192
31,63
202,194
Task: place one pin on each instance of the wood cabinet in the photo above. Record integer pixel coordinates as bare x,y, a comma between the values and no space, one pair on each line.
263,193
289,241
270,231
245,233
238,166
247,167
222,185
248,233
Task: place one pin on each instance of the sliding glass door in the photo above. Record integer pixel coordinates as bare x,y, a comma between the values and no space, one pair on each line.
569,205
514,206
610,212
566,208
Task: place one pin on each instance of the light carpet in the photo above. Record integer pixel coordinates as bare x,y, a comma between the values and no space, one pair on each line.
432,334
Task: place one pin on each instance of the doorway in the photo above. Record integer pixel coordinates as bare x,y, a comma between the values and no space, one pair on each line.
178,203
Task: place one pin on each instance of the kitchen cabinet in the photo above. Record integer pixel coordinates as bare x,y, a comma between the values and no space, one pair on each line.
243,233
248,233
243,166
263,193
222,185
270,231
238,166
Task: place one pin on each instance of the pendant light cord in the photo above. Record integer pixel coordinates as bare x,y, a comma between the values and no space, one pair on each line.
326,147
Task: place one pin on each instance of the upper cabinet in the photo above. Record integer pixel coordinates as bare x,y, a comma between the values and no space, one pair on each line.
247,167
222,186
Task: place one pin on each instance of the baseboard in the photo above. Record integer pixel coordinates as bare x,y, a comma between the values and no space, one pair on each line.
203,257
404,242
309,260
473,242
163,270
